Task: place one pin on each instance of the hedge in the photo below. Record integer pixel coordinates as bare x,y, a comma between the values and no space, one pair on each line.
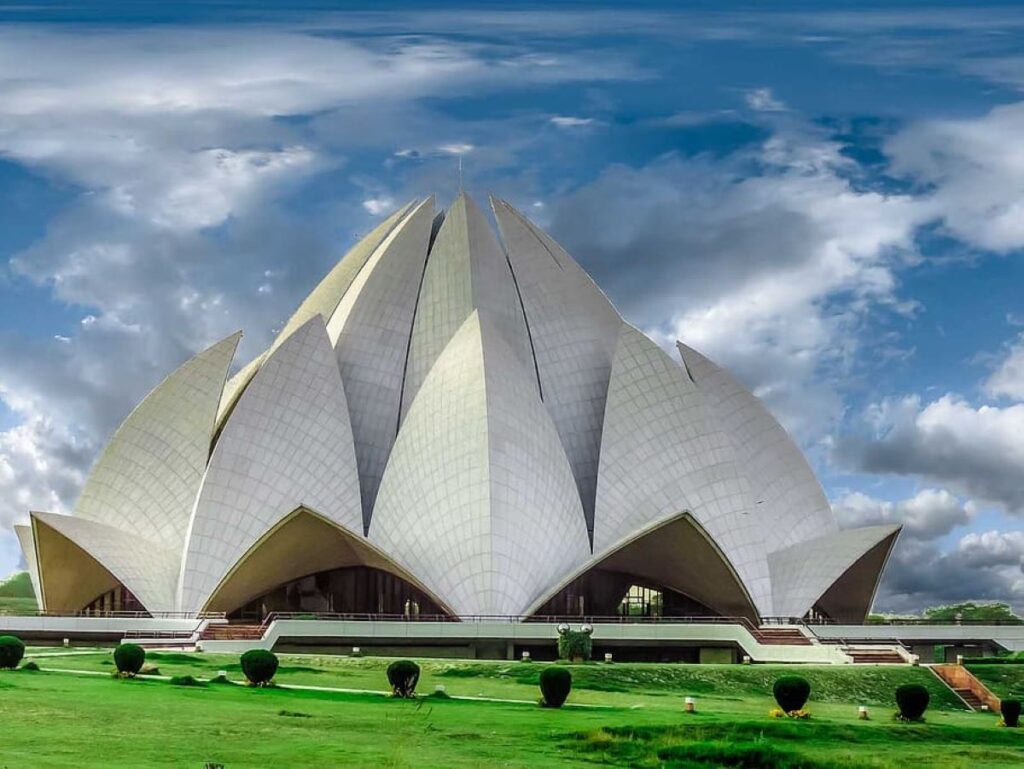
555,685
912,700
792,693
259,666
129,659
12,649
1011,712
403,675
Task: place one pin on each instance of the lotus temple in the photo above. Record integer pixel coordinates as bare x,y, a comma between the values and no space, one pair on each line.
456,423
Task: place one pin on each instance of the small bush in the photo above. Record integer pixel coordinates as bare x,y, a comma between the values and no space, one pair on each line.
186,681
220,679
12,649
403,675
791,692
575,645
259,666
1011,712
129,659
555,685
30,666
912,700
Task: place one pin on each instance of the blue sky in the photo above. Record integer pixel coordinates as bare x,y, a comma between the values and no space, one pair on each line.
829,202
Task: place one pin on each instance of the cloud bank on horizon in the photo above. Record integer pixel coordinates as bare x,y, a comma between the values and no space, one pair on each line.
830,203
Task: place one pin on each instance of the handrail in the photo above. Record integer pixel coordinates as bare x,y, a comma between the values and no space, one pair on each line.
511,619
196,615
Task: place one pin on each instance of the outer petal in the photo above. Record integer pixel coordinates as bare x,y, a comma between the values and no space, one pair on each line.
676,552
147,477
80,560
28,549
574,330
662,453
478,500
323,300
803,574
288,443
370,330
466,270
789,501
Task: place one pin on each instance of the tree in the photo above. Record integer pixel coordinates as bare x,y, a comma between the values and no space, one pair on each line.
974,612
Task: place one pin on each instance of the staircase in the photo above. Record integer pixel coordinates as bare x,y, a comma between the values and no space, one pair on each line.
972,699
232,633
967,687
781,636
869,656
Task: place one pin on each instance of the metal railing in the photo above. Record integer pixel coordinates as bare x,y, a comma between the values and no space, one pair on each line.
183,615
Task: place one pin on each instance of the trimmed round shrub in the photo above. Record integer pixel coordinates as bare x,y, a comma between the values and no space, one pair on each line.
791,692
12,649
30,666
575,645
403,675
555,685
259,666
1010,710
129,659
912,700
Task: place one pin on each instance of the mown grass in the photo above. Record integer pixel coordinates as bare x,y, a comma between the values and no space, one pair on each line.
55,719
1002,680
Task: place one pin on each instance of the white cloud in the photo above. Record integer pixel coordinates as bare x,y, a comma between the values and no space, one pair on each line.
567,121
458,148
1008,379
971,172
769,273
763,100
929,514
993,548
378,206
977,450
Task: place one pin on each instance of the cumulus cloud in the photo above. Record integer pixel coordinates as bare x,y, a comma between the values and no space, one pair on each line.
929,514
971,173
978,451
769,271
979,568
1008,379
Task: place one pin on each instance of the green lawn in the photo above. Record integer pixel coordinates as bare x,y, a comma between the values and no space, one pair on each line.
1002,680
55,720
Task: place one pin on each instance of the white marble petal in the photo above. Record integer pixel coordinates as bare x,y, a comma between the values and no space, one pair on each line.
148,569
370,330
466,270
574,329
790,503
28,549
287,443
478,500
663,453
801,573
147,476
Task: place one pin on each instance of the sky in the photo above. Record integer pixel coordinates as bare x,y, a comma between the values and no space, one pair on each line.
827,199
